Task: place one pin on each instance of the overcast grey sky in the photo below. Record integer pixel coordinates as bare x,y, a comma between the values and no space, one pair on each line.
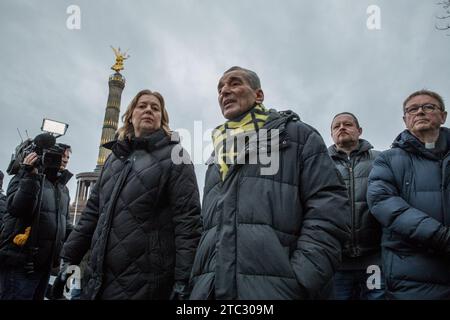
317,58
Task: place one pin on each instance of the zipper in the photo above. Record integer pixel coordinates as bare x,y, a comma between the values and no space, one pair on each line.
444,209
236,212
352,205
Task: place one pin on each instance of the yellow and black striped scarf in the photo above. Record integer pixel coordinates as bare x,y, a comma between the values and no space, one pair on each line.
225,136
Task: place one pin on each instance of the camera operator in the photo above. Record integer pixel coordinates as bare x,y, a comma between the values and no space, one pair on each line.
33,235
2,201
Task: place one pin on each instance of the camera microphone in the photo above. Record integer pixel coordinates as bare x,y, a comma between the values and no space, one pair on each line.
45,141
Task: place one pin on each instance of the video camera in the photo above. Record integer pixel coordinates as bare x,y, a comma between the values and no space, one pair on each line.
49,152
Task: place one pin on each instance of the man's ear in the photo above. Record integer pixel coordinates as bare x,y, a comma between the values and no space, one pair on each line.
259,96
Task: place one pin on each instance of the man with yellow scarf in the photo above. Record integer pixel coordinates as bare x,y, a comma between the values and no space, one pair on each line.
267,234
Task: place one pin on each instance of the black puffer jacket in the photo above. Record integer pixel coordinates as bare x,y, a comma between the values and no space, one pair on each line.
2,208
273,236
54,224
142,221
366,231
409,194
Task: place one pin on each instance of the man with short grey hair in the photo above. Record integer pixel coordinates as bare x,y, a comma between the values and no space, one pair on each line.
267,235
409,194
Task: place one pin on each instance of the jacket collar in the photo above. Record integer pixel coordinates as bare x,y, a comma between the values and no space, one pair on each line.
408,142
60,177
279,119
363,146
65,176
154,141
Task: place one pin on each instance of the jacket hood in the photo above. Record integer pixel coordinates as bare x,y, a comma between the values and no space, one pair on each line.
280,118
408,142
154,141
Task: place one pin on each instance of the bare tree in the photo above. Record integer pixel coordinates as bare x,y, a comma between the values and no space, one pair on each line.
443,23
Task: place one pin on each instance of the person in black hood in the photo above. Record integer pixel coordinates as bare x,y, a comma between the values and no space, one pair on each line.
142,219
275,210
30,247
353,157
409,194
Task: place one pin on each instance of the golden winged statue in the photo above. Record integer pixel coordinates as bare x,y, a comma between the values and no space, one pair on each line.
120,57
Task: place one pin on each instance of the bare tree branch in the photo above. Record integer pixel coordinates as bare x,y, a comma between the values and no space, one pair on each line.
442,28
445,4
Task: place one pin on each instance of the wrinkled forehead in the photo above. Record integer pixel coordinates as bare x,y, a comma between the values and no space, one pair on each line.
421,99
233,75
343,118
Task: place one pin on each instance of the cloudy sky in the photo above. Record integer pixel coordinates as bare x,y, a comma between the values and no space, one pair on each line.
317,58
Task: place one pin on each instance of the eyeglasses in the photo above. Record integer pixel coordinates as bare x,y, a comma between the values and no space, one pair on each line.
427,108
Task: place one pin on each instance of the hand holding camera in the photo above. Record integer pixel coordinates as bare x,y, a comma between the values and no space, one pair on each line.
30,160
47,154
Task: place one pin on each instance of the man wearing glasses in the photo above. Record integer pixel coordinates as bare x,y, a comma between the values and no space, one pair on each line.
409,194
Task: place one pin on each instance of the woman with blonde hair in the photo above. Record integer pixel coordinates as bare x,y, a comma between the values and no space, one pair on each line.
142,220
